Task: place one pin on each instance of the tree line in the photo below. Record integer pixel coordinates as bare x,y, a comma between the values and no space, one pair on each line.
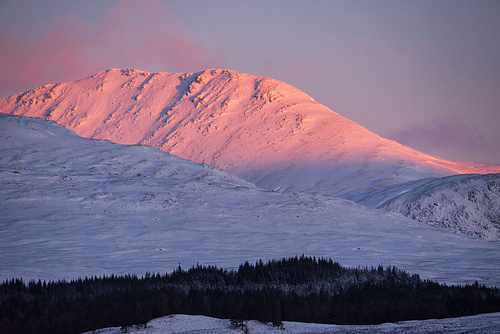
300,289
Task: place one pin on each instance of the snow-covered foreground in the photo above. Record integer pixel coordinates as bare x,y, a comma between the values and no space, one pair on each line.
195,324
75,207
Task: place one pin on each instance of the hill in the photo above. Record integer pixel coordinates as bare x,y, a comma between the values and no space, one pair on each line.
74,207
467,204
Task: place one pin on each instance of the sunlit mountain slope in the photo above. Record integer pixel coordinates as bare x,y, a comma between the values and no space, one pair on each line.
261,129
71,207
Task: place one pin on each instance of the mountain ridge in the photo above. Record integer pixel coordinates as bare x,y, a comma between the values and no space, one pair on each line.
261,129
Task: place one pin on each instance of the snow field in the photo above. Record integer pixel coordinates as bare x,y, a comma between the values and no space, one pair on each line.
74,207
195,324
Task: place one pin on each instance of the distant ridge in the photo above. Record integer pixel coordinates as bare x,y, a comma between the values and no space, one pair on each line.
261,129
467,204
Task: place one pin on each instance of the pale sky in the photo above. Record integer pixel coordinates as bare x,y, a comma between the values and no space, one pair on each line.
424,73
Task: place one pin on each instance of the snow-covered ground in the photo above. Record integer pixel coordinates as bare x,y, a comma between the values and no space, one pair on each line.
195,324
75,207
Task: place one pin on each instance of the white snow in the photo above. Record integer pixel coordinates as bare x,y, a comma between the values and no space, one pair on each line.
195,324
467,204
73,207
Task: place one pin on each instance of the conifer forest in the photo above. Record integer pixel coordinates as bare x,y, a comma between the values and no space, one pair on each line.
302,289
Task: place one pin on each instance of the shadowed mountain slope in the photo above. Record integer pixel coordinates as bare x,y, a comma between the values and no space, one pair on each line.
466,204
73,207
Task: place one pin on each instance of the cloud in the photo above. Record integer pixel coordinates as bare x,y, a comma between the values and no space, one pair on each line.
143,35
447,137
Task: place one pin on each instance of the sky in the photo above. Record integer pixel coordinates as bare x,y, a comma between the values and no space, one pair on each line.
423,73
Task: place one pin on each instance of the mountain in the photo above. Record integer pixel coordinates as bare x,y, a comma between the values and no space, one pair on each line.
74,207
467,204
261,129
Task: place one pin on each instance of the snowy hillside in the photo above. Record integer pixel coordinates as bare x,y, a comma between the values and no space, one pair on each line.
195,324
77,207
263,130
467,204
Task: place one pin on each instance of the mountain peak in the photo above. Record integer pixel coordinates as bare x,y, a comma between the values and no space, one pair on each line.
262,129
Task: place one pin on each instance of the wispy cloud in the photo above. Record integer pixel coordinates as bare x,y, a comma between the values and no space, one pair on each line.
144,35
444,136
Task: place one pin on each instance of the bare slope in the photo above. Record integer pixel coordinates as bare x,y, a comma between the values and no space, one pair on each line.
261,129
71,206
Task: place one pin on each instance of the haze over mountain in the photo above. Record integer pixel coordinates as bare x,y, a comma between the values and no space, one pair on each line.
261,129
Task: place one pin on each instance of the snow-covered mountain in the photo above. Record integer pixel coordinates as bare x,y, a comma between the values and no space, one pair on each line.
467,204
263,130
73,207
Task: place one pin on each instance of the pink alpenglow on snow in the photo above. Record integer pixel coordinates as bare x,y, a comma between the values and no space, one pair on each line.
261,129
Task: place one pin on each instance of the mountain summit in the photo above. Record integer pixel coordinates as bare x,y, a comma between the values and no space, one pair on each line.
261,129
